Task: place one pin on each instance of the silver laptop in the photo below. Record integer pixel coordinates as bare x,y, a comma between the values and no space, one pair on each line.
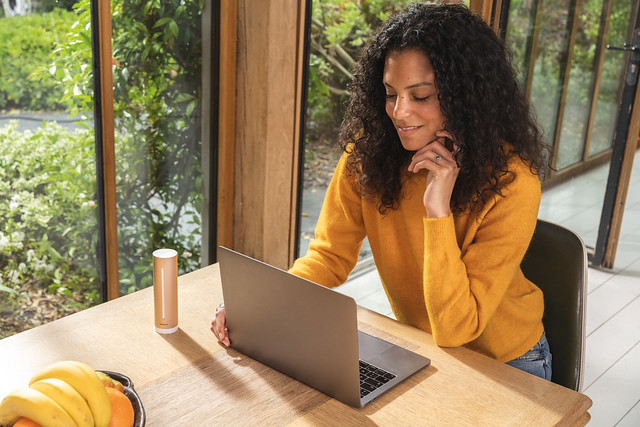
308,332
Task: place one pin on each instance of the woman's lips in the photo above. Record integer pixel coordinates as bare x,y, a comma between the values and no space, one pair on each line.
407,130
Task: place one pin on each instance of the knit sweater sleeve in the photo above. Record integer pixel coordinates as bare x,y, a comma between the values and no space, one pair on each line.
463,290
339,233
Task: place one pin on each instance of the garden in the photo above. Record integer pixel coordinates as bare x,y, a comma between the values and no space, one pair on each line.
49,263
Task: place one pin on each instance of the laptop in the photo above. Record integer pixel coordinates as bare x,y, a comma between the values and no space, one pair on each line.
308,332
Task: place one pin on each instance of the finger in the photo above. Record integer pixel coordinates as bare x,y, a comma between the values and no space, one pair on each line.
421,155
429,159
224,337
214,328
221,326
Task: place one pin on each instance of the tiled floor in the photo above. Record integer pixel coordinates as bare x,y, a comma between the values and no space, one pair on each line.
612,366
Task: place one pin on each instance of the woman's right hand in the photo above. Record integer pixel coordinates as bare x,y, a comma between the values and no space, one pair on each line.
443,169
219,326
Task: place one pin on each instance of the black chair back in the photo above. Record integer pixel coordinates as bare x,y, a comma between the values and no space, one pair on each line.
556,262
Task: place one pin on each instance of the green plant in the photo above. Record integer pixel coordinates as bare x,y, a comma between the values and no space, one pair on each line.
25,44
48,212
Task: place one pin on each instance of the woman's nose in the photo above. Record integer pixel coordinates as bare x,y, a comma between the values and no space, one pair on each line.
401,109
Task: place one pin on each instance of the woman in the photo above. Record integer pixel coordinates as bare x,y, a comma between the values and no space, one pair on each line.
440,171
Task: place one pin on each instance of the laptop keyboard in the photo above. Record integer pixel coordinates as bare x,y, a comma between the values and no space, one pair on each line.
372,377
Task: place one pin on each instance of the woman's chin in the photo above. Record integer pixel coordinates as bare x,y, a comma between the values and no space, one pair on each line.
412,145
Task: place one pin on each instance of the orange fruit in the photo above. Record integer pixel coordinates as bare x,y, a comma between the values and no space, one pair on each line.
122,414
26,422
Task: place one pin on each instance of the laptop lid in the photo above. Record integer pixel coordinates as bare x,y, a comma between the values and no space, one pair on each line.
302,329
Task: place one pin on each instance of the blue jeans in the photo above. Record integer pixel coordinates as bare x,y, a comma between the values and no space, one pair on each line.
536,361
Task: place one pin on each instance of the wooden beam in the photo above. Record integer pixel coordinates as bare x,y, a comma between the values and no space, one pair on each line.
227,121
623,188
483,8
108,149
266,128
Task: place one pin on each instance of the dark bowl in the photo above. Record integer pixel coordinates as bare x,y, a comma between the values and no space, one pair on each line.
140,417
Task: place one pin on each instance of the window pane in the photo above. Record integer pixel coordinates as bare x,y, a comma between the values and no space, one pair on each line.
519,34
550,61
157,49
613,71
581,80
48,211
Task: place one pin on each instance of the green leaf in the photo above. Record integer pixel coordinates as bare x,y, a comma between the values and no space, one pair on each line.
173,27
162,21
6,289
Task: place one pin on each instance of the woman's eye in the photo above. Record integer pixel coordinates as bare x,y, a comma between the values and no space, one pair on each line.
389,95
420,98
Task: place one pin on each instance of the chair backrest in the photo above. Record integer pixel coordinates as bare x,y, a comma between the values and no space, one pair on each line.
556,262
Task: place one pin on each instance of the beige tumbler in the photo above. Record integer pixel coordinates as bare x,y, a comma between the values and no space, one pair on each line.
165,290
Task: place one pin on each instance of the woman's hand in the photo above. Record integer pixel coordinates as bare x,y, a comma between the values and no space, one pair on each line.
219,326
443,172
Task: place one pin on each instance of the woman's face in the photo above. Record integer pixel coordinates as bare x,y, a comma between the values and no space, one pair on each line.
412,98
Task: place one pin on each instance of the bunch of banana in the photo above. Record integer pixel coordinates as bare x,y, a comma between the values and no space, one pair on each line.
67,393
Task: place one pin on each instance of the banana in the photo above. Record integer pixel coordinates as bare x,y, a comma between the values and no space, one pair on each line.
84,379
30,403
68,398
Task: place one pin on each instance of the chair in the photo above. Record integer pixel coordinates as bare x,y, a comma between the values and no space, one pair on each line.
556,262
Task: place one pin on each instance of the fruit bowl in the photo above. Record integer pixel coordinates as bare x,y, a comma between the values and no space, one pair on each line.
138,409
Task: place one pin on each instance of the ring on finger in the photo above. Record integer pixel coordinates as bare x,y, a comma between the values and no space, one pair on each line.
437,158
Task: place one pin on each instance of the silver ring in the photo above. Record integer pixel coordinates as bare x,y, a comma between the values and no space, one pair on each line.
437,158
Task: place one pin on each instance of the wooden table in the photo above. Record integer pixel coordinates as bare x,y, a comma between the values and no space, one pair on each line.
187,378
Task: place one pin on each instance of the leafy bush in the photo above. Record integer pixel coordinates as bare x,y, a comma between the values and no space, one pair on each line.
25,44
48,212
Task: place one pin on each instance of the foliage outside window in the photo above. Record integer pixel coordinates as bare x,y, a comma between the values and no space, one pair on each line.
48,211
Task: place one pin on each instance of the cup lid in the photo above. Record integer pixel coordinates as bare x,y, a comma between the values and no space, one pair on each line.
164,253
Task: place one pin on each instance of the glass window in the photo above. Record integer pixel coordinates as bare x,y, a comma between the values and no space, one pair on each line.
586,80
613,71
48,210
549,63
581,84
157,49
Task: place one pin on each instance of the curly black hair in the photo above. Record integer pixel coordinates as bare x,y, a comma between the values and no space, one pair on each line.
486,112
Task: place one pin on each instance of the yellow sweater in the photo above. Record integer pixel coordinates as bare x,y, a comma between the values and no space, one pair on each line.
458,278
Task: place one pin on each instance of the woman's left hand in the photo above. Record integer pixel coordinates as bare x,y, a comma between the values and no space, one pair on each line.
443,172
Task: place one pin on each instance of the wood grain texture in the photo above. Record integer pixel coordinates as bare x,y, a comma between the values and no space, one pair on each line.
227,121
267,127
187,378
108,150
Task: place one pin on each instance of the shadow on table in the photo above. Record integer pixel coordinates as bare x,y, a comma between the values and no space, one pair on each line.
208,365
